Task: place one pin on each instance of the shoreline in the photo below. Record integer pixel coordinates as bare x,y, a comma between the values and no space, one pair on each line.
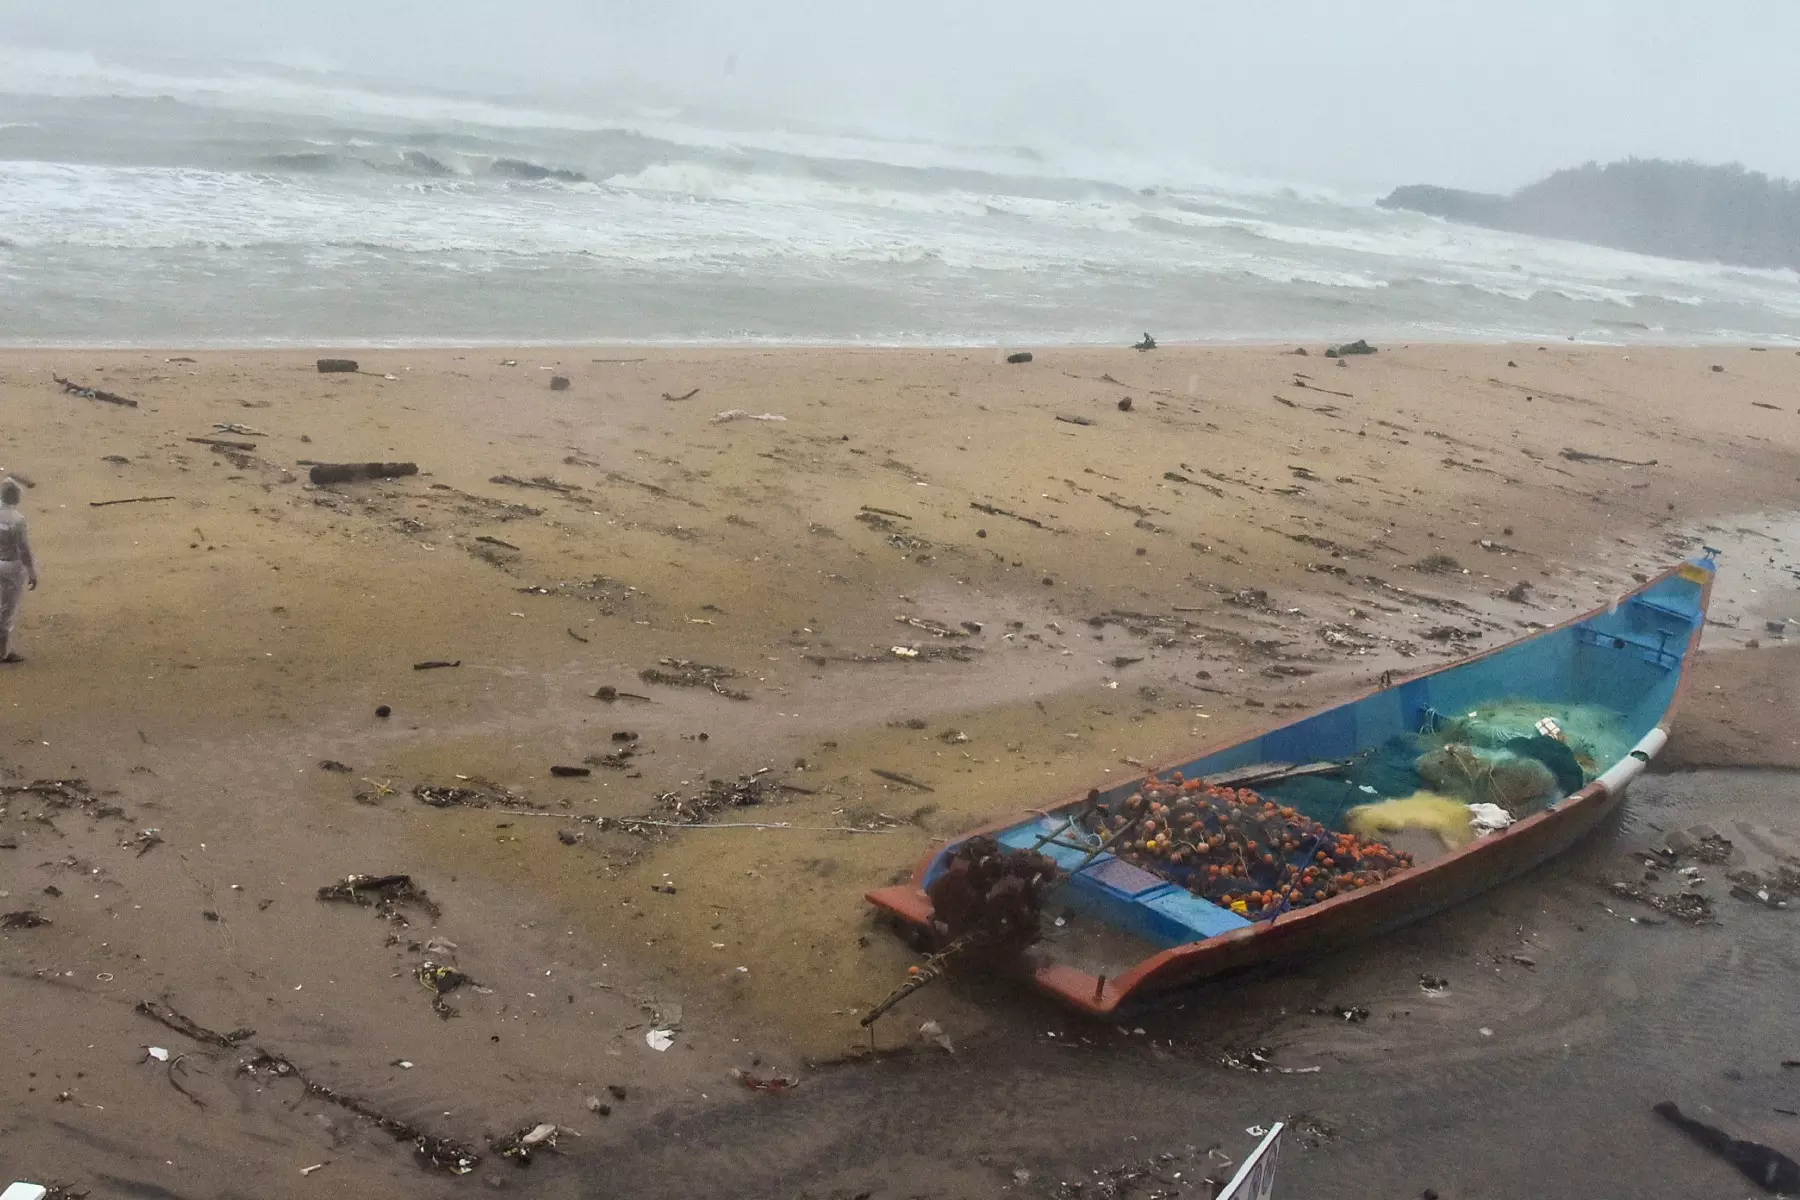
1313,345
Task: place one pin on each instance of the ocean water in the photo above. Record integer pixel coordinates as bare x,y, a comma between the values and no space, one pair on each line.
258,205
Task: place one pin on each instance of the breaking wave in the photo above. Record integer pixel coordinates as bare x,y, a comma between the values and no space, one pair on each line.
126,173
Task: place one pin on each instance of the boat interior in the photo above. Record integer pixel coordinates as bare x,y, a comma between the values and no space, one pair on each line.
1602,684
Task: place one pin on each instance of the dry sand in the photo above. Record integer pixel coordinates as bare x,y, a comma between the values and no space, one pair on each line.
1260,532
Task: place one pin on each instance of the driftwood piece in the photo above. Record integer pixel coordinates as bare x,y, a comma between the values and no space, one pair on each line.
128,500
896,777
683,396
537,481
1075,420
88,393
1574,455
1023,356
222,444
165,1015
355,472
337,366
991,511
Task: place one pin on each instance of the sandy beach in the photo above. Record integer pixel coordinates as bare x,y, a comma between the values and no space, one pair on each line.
1000,582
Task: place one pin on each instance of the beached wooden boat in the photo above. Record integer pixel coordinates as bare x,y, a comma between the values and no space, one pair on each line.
1137,933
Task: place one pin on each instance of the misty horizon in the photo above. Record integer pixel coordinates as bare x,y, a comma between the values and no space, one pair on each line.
1290,93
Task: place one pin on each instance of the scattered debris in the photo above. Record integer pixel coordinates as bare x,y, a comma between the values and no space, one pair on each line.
1023,356
1125,404
1691,907
222,444
441,1152
332,764
571,772
337,366
680,672
1774,891
24,918
1769,1169
440,979
683,396
747,791
559,383
1702,843
484,795
436,664
520,1145
1352,1014
772,1083
356,472
541,482
1148,343
1348,349
1256,1059
386,894
488,540
659,1039
1433,985
88,393
1074,420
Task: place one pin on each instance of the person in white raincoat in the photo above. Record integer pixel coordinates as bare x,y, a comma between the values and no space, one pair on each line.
18,573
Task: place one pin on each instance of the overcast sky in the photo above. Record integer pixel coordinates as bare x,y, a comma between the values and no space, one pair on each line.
1355,95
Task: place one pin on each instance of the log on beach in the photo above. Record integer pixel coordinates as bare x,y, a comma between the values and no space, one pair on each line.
356,472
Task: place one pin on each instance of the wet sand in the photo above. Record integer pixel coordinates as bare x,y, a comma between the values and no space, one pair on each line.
1243,542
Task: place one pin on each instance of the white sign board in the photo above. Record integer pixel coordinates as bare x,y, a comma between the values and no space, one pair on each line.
1255,1180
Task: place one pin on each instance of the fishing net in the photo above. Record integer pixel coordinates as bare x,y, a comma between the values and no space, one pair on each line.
1518,784
1237,848
1595,736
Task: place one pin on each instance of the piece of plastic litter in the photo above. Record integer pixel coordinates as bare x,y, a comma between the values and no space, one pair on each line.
1488,818
24,1191
659,1039
157,1052
744,414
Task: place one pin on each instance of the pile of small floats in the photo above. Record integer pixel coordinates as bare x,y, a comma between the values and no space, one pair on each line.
1237,848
